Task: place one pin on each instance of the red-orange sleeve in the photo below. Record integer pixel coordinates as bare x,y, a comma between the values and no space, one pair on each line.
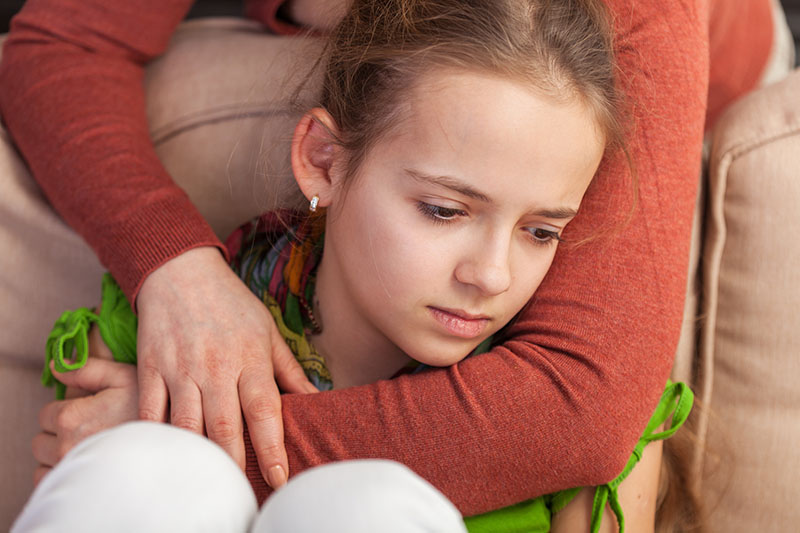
71,97
741,36
562,403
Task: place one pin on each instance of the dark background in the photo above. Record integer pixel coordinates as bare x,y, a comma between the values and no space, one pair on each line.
201,8
792,8
210,8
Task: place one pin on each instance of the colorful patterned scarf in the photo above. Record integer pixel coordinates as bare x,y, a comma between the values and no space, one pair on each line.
276,255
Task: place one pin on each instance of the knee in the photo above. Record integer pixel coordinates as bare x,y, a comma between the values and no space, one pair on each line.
359,497
142,476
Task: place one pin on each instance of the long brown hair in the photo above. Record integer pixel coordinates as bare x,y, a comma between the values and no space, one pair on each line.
562,48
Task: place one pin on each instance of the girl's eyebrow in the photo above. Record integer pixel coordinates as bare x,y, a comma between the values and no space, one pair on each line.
451,183
468,191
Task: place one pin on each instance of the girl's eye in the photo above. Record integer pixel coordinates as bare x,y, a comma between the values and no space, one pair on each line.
438,213
544,237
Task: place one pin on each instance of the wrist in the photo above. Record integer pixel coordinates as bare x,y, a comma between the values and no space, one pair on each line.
201,258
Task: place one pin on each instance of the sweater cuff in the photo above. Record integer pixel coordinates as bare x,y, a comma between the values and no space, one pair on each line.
161,231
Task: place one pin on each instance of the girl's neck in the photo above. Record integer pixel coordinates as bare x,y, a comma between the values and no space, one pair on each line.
354,351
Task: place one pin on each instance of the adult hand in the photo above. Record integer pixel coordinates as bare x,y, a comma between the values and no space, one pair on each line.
111,400
211,349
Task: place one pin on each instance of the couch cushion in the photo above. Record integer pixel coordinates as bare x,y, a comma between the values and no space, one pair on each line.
221,115
751,333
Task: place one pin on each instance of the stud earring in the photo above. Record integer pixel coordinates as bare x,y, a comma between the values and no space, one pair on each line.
314,203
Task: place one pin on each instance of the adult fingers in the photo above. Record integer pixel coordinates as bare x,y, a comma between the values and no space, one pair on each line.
153,394
67,421
46,450
186,407
73,420
261,404
74,392
96,375
49,415
288,372
224,419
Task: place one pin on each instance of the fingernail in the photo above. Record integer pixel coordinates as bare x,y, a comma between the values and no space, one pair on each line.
276,476
311,389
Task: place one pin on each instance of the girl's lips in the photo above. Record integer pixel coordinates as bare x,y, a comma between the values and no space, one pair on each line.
459,323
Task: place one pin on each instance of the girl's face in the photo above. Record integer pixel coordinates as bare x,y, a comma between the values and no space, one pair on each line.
453,218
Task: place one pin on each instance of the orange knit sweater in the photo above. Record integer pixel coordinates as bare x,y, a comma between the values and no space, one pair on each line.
559,405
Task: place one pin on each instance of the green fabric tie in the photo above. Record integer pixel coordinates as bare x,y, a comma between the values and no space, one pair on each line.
68,342
676,402
534,516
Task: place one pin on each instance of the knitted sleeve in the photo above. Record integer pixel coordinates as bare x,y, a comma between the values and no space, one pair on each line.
72,98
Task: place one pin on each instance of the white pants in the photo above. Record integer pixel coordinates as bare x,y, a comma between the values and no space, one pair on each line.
147,477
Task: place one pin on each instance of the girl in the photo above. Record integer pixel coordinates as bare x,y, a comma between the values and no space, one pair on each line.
452,145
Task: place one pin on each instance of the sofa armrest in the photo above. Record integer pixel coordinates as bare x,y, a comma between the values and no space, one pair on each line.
749,352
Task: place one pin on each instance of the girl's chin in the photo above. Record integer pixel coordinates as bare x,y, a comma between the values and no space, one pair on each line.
444,354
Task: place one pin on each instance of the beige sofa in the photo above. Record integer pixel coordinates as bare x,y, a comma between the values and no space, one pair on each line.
748,357
211,119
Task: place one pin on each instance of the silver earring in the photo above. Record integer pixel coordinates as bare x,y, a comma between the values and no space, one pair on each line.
314,203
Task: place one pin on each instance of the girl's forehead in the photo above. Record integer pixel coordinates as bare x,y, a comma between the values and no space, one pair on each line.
491,135
477,120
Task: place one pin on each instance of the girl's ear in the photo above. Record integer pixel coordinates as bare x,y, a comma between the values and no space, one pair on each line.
314,152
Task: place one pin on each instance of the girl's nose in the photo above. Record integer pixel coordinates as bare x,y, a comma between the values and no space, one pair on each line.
487,268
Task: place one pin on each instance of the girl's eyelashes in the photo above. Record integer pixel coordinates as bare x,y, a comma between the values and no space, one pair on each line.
544,237
446,215
439,214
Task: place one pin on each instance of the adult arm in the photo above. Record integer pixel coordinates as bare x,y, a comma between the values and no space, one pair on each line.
72,98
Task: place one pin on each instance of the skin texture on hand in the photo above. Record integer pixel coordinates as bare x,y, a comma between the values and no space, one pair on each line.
210,350
101,395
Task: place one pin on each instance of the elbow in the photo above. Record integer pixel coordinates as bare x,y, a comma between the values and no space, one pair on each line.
608,456
615,459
